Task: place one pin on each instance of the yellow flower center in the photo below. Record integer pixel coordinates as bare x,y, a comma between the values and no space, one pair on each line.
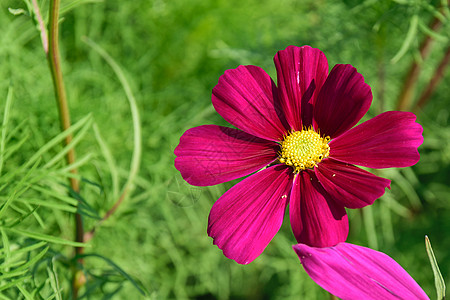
304,149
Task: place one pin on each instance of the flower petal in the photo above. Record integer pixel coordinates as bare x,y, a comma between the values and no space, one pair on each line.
343,100
388,140
246,218
316,219
246,97
354,272
301,72
349,185
211,154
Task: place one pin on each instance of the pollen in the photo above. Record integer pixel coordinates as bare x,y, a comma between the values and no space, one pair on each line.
303,149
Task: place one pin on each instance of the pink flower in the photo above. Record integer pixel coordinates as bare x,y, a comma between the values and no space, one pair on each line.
302,129
354,272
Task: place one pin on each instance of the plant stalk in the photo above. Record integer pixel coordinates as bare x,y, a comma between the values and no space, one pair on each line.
54,61
407,93
438,74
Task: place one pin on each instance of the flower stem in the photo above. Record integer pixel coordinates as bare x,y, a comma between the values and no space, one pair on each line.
407,93
137,139
433,82
54,62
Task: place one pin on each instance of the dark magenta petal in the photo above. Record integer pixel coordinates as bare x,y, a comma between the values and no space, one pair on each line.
389,140
301,72
343,100
247,98
316,219
349,185
211,154
353,272
246,218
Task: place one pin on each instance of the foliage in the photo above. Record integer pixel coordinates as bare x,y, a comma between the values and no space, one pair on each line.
171,54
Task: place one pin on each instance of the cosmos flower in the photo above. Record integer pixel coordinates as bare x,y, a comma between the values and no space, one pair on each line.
299,138
353,272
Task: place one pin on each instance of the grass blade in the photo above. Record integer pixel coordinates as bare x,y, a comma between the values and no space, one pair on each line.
5,126
58,139
412,31
44,237
438,280
137,141
75,140
119,270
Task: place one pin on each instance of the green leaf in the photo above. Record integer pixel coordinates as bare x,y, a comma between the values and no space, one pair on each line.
6,246
53,277
137,136
23,268
19,189
44,237
438,280
112,165
5,126
24,292
83,207
75,140
54,194
118,269
13,283
86,121
412,32
17,11
24,249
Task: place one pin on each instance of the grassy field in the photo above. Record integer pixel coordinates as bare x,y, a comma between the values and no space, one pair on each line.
171,54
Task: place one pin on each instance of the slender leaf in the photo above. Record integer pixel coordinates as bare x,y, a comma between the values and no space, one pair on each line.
137,140
25,249
49,204
14,283
24,292
5,126
438,279
118,269
412,31
58,139
44,237
54,282
75,140
54,194
112,165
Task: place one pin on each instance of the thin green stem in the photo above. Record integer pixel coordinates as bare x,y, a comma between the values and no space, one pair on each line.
425,97
137,139
54,61
4,127
407,93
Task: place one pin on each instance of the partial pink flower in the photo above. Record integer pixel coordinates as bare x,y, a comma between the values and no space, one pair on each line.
353,272
303,129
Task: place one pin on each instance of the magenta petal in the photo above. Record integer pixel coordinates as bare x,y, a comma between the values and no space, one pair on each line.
316,219
247,98
388,140
343,100
349,185
301,72
246,218
211,154
353,272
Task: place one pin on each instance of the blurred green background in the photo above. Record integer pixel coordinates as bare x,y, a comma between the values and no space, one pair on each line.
172,53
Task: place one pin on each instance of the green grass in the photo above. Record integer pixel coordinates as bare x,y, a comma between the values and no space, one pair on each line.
171,54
